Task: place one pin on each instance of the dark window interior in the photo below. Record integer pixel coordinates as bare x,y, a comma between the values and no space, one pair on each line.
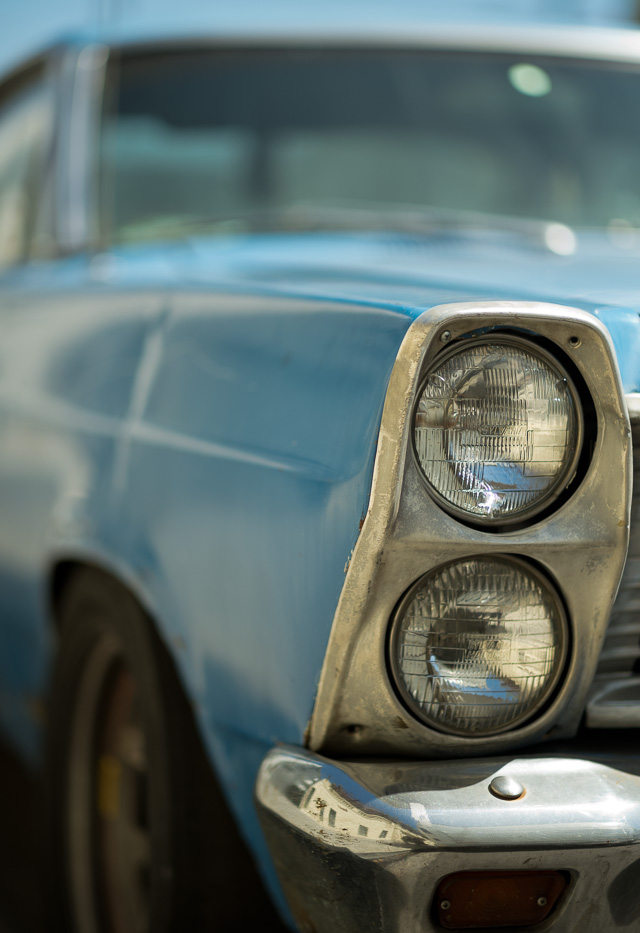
223,141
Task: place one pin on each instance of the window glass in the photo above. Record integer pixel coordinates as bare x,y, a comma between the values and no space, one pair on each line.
234,140
25,132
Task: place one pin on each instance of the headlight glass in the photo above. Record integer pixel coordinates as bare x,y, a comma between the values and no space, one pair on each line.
497,430
478,645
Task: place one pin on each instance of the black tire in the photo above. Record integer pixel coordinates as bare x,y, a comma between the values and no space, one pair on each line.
140,839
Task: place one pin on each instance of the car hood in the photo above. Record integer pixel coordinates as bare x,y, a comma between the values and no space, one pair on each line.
411,273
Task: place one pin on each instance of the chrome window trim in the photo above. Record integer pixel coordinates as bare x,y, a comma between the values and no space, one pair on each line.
82,80
590,43
581,546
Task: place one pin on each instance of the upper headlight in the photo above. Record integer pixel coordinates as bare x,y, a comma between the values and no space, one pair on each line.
497,429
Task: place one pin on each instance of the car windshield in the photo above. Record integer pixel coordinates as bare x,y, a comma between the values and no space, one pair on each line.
239,140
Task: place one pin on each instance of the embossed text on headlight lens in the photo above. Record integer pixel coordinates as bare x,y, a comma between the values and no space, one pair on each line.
497,430
478,645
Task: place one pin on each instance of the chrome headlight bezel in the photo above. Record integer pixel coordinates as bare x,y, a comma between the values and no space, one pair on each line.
579,543
552,684
565,478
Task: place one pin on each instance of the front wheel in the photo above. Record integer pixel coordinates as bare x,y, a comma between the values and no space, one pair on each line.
141,841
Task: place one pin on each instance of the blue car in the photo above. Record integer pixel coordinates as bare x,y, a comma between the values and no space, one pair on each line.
319,392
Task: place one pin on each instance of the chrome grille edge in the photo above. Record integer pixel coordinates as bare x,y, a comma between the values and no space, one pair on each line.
614,701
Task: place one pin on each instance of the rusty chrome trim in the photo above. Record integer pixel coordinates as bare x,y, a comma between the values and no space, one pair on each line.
581,546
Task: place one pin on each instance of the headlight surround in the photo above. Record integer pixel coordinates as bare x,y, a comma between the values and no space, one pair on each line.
478,645
497,430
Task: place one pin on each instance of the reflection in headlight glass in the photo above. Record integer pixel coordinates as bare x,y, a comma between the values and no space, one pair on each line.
478,645
496,430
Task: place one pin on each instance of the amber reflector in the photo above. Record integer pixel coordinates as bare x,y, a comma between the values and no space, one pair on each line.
476,900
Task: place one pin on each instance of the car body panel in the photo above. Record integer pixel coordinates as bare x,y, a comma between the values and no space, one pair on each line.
295,335
92,443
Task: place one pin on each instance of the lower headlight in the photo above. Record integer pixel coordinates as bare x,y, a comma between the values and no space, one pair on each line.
478,645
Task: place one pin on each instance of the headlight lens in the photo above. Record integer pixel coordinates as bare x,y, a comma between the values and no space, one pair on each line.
497,430
478,645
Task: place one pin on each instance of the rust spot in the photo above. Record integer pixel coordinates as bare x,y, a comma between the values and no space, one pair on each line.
320,803
361,523
354,729
621,523
400,723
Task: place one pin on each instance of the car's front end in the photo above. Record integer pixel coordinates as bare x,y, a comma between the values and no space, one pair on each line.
467,649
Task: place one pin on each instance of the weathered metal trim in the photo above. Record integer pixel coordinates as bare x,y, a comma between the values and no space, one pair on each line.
581,546
364,845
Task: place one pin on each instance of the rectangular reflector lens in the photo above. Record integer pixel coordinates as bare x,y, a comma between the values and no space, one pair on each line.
476,900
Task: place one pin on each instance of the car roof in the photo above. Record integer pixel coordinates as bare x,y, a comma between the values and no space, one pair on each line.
33,24
590,42
603,43
577,42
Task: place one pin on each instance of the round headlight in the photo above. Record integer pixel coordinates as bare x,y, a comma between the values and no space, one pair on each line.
497,430
478,645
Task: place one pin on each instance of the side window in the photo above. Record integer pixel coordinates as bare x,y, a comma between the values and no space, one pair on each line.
26,124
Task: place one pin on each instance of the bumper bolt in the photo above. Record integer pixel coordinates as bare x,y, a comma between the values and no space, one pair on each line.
445,905
506,788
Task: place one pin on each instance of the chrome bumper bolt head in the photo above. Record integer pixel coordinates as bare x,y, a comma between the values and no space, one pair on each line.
506,788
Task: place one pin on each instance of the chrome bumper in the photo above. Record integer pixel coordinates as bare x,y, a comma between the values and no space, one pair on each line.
362,846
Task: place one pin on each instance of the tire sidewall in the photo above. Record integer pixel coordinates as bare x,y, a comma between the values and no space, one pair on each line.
94,610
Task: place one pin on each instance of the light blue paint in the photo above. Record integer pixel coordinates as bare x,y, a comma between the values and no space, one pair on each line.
624,328
27,27
205,423
411,273
32,24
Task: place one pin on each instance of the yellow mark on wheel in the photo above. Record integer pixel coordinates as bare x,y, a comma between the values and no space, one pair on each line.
109,769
